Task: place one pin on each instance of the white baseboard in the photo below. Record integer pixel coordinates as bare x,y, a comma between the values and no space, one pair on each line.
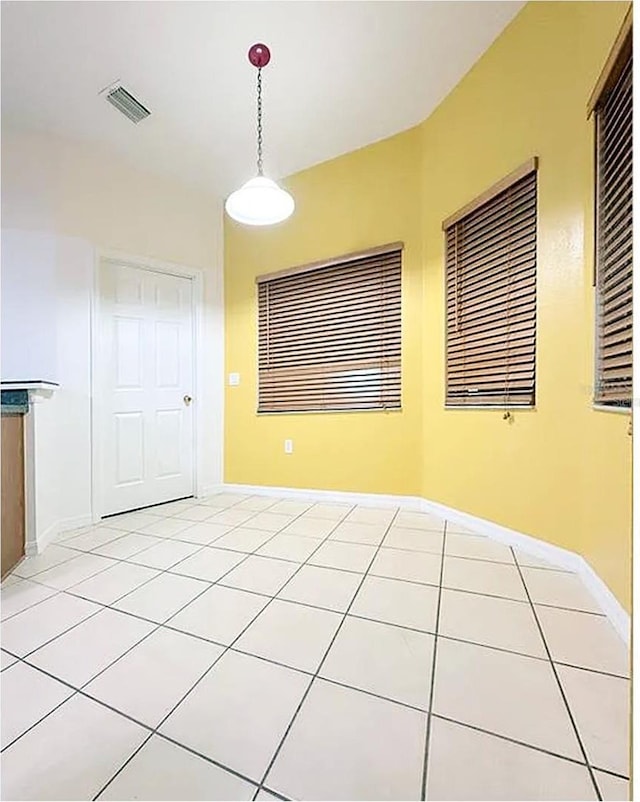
43,539
337,496
562,558
609,605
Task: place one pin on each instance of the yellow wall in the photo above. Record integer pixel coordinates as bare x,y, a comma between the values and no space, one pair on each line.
561,472
365,198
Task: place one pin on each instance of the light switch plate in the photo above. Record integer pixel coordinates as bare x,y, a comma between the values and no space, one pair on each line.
234,379
288,446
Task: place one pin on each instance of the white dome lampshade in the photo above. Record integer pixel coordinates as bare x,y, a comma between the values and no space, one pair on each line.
260,202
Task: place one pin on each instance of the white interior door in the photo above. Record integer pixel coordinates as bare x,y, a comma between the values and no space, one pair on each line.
147,366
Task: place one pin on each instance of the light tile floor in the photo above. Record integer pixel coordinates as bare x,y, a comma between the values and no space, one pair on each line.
257,648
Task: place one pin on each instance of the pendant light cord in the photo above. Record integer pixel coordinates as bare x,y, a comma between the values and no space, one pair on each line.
260,121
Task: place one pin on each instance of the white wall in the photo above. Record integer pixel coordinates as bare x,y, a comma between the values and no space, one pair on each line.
79,199
28,264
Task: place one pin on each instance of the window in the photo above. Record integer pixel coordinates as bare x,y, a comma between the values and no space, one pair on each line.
612,103
329,335
491,296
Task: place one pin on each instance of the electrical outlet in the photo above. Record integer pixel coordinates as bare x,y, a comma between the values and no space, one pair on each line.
234,379
288,446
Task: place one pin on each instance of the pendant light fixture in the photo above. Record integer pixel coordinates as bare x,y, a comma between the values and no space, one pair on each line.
260,202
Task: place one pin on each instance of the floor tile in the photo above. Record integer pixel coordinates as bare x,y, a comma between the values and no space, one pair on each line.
238,689
454,528
6,659
269,521
243,539
203,533
322,587
290,547
69,573
261,575
165,527
559,589
162,597
330,512
148,681
133,521
68,534
291,634
345,744
231,517
30,629
174,507
209,564
227,499
81,653
265,795
348,556
495,769
162,770
532,561
126,546
310,527
419,520
414,539
94,538
257,503
478,547
480,576
289,507
79,747
502,623
395,602
10,579
354,532
372,515
20,595
410,565
165,554
383,659
601,708
108,586
27,696
220,614
198,512
584,640
52,555
503,693
613,789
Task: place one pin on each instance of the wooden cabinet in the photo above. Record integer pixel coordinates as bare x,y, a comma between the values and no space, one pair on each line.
12,499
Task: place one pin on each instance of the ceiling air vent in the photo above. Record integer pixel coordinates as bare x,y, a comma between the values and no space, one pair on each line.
126,103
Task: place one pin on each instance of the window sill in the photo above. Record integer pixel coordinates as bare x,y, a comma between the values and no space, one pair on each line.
329,412
616,410
504,408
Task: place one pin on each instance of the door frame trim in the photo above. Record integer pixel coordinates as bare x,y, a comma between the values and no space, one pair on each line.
196,275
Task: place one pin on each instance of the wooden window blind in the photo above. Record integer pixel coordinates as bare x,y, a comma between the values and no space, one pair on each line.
614,253
491,295
329,335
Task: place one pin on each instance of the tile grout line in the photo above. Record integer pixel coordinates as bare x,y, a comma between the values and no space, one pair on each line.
328,649
559,684
156,627
222,653
166,624
129,561
171,569
524,744
427,738
211,584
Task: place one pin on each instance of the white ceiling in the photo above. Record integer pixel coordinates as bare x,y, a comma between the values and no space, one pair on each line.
342,75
